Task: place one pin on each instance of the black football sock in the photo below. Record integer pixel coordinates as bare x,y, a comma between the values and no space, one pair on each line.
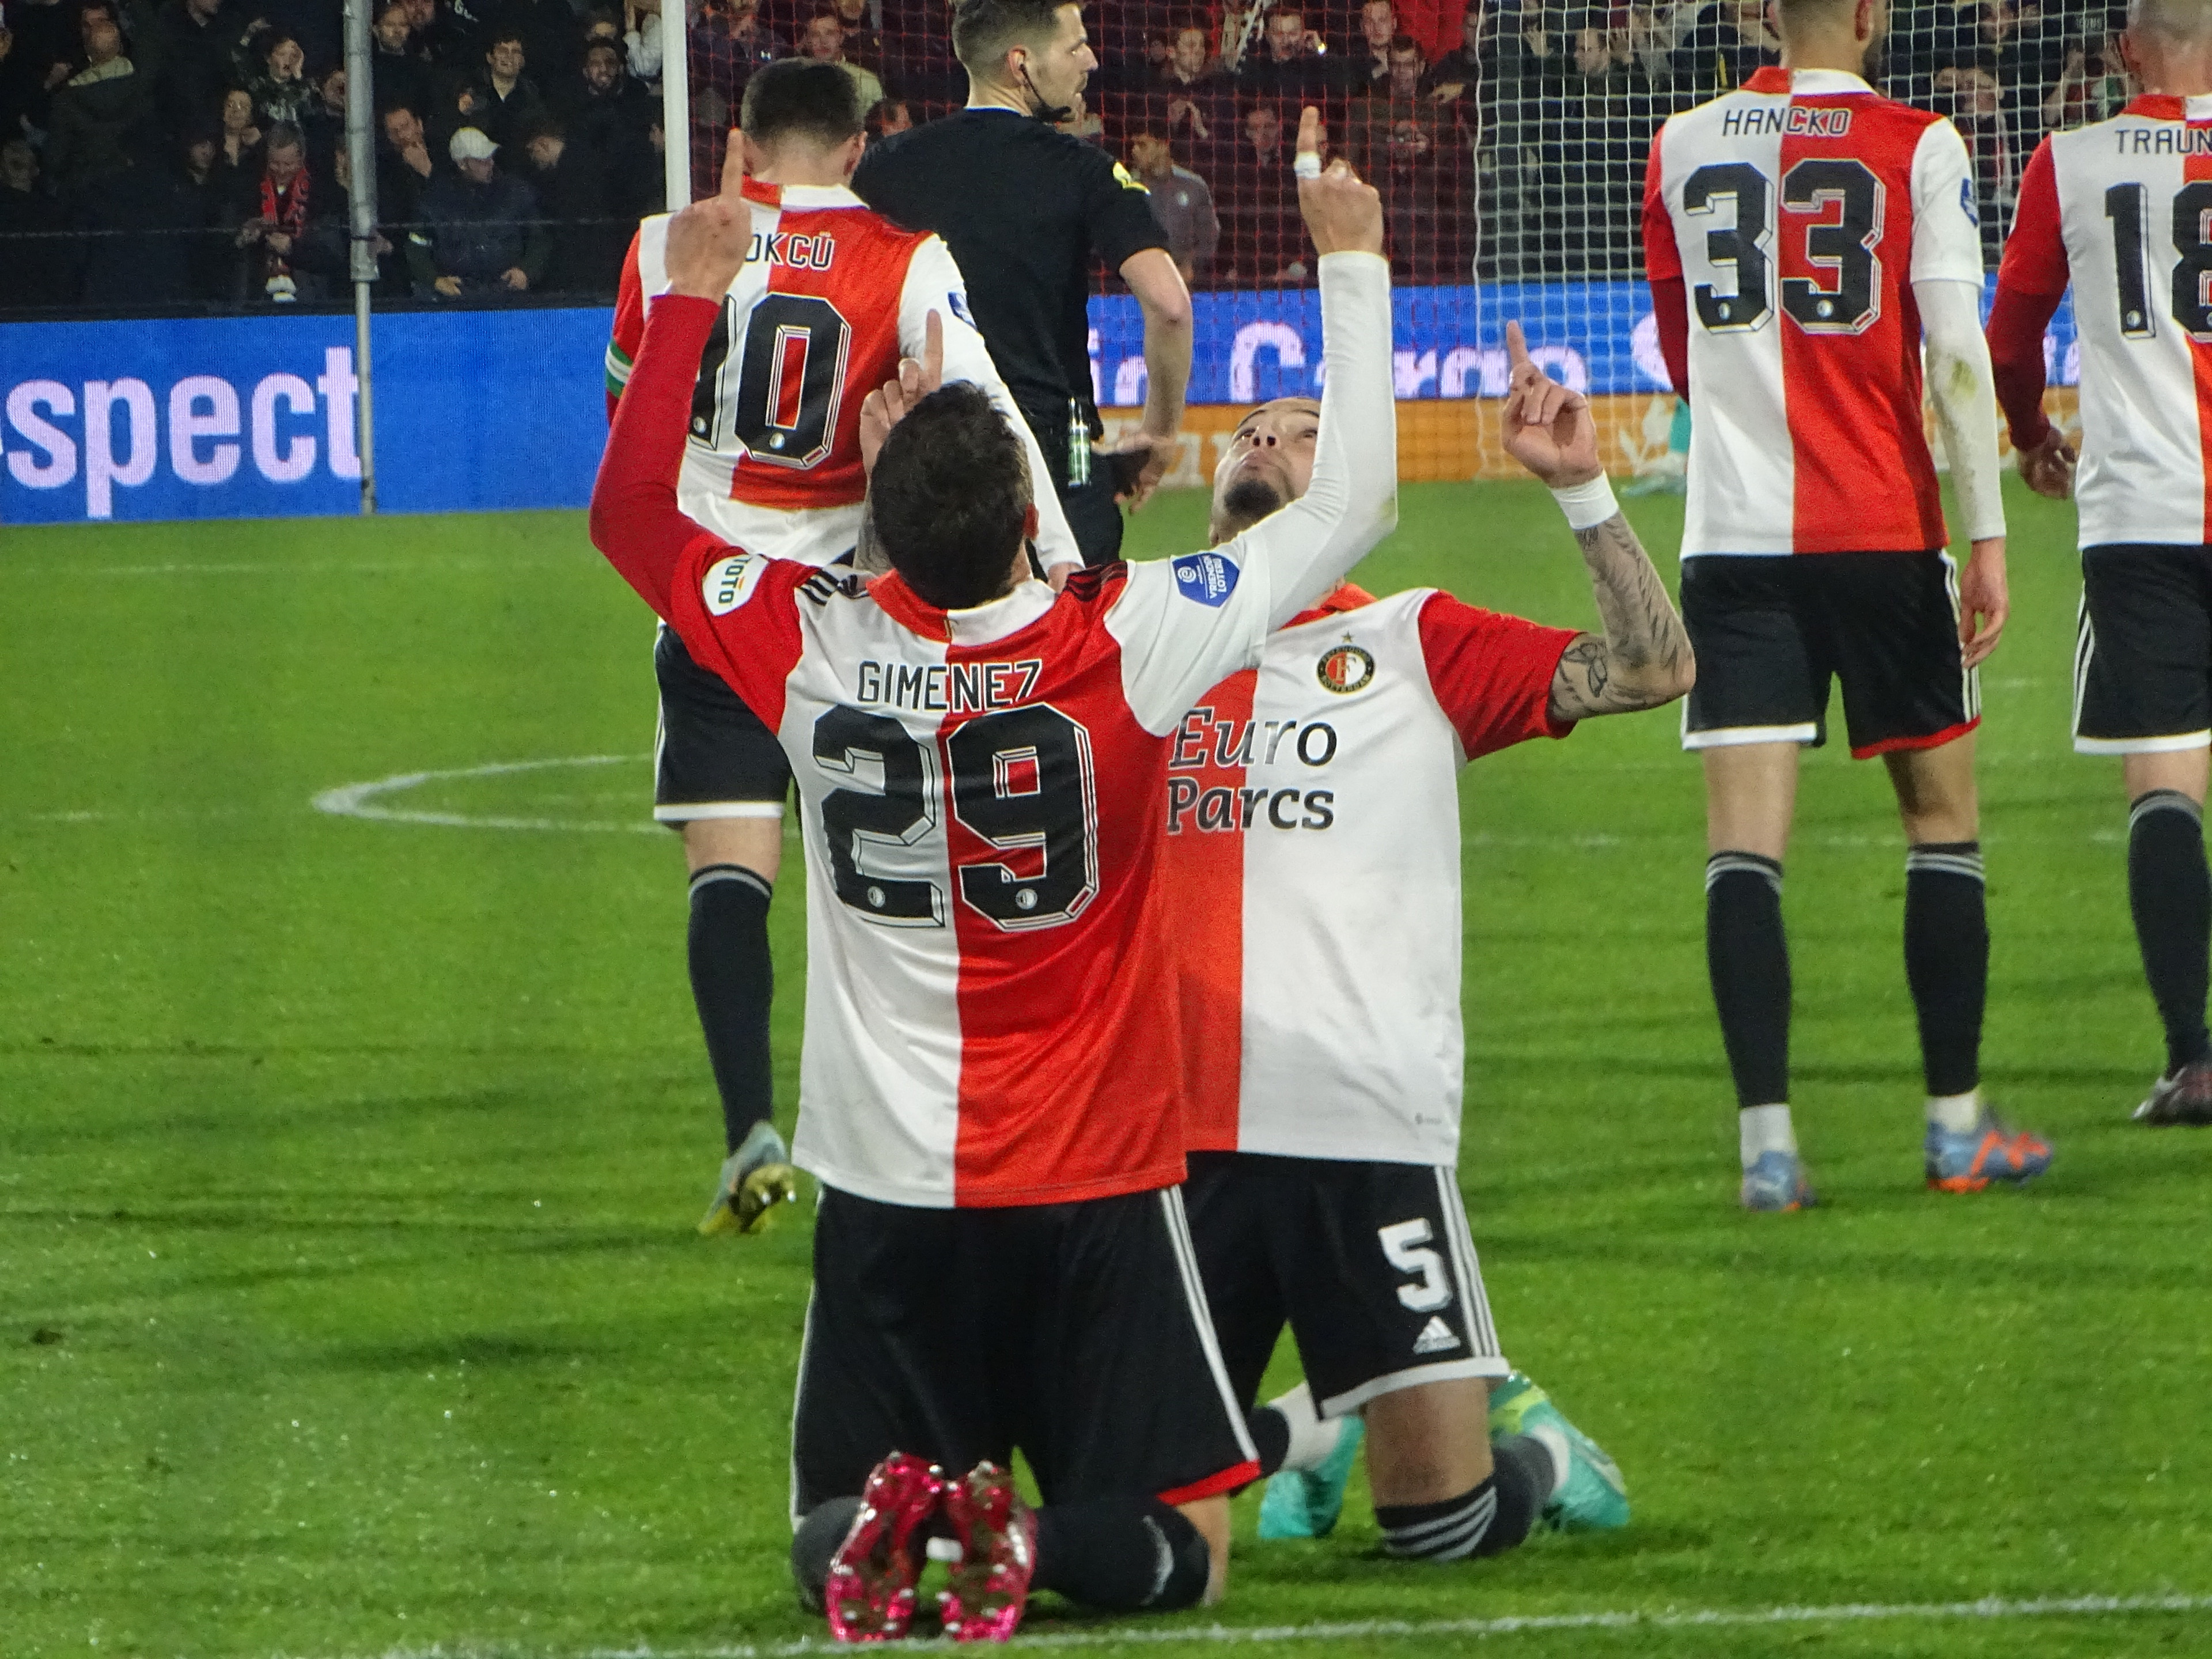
1486,1520
1947,960
2171,894
733,983
814,1546
1122,1554
1747,956
1271,1438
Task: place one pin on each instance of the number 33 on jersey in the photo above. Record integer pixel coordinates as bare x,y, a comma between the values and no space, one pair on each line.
1800,211
830,298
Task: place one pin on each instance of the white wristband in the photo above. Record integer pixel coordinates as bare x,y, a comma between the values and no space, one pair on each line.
1588,505
1307,165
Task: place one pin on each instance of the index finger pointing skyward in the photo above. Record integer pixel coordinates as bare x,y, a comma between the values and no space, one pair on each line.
1309,132
1517,348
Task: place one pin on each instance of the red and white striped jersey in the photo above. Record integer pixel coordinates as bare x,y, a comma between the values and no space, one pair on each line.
1799,211
992,1014
2122,210
832,295
1313,872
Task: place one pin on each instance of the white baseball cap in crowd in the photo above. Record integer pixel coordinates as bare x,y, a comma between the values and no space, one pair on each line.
470,145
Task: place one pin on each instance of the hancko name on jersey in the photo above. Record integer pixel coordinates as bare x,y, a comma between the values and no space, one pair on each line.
947,688
2167,138
785,248
1799,120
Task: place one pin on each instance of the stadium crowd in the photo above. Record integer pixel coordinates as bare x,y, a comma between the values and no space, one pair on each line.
191,153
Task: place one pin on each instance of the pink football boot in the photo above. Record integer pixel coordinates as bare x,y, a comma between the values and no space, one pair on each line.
997,1533
870,1591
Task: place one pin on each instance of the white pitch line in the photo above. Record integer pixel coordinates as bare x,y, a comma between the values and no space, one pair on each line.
1988,1607
358,800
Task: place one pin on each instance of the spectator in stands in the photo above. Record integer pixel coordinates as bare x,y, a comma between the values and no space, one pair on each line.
1292,69
190,43
1181,200
605,106
1970,95
326,124
325,251
2092,85
863,44
274,71
893,116
571,184
1655,29
1198,93
38,38
726,47
501,100
1396,140
267,225
141,224
32,273
1725,46
213,193
642,40
823,40
478,236
1604,67
1460,72
1368,69
552,44
442,39
99,112
404,167
1264,241
400,70
637,174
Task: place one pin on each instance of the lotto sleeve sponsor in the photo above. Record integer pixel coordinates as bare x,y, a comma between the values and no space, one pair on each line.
1491,674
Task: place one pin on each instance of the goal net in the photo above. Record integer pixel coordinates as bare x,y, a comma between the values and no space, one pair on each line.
1507,139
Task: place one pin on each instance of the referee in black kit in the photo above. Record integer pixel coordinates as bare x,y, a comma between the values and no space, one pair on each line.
1022,207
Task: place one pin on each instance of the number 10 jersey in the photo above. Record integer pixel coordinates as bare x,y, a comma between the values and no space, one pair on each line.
1799,211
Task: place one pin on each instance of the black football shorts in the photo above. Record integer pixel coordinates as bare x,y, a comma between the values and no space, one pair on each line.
1773,632
2142,657
1078,1333
1371,1264
712,756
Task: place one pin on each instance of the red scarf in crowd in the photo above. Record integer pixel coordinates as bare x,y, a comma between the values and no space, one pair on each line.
288,216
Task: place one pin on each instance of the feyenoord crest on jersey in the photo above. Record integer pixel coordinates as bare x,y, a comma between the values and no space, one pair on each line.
1345,670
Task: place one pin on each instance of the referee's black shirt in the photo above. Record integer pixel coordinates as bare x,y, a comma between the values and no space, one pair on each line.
1022,207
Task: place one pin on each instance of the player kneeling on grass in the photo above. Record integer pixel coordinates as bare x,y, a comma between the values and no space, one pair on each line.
991,1086
2117,210
1792,310
1306,799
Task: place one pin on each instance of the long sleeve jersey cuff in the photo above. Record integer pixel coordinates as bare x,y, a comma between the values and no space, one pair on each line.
1351,504
1963,391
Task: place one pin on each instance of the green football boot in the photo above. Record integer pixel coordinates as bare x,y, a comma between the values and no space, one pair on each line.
1305,1503
754,1180
1593,1497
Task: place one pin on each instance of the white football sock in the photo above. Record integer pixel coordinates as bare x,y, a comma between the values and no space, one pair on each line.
1313,1436
1765,1129
1957,1113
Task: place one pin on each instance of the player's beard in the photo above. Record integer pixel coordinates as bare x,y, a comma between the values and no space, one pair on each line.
1249,501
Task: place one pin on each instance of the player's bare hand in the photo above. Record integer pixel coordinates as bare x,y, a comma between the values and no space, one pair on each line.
1159,455
2048,469
1342,215
887,405
1548,428
707,243
1984,601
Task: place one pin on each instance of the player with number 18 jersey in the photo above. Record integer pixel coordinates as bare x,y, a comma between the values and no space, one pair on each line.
2121,212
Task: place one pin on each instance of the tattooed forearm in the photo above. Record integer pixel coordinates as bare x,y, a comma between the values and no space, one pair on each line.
1643,657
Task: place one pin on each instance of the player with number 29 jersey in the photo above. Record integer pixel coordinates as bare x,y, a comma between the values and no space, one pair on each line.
834,295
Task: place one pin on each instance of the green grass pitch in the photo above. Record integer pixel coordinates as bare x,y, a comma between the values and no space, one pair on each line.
348,1298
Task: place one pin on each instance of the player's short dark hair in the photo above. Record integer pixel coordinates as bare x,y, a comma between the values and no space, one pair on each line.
984,31
801,97
949,497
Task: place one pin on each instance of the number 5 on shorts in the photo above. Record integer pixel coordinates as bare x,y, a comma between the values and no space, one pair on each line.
1402,1243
